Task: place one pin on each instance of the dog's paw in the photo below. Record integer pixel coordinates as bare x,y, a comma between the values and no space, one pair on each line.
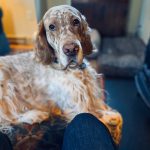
112,118
113,121
33,116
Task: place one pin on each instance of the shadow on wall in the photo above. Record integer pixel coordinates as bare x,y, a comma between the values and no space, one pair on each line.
40,7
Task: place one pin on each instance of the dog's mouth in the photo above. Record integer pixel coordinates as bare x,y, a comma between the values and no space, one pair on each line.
73,64
76,61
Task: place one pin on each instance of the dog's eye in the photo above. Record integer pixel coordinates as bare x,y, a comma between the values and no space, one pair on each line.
52,27
76,22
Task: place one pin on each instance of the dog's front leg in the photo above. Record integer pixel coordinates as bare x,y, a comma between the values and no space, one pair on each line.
32,116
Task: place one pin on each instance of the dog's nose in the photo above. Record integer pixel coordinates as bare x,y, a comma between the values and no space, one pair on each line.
71,49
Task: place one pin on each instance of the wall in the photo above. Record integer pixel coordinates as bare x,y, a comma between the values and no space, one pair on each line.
144,22
51,3
133,18
139,19
19,19
21,16
42,6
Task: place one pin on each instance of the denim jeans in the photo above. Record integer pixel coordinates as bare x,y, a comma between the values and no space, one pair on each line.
86,132
5,143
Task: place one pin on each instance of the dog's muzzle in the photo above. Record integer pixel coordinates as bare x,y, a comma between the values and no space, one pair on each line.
74,54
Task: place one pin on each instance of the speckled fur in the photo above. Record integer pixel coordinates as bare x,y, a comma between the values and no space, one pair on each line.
33,87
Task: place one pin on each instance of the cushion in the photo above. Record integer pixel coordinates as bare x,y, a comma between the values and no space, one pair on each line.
122,56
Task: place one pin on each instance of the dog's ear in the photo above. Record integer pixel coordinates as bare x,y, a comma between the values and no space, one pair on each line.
86,42
44,51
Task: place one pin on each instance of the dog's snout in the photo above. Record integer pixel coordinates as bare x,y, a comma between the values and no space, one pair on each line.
71,49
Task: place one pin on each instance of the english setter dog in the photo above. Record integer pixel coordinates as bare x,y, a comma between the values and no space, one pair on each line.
55,79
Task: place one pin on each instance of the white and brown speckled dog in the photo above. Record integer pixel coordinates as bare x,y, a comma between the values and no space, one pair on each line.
55,79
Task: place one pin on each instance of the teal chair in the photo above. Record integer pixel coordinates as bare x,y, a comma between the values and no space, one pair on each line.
142,79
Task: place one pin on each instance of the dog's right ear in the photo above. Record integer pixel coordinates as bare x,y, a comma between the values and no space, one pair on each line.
44,51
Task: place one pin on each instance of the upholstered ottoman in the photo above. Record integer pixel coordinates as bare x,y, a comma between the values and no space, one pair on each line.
121,56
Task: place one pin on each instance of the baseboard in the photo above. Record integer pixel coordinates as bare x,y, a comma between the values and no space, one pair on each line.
19,40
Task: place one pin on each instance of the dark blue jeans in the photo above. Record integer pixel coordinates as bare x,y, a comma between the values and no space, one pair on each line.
86,132
5,143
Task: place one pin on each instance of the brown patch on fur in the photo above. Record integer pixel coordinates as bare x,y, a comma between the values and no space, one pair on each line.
86,42
5,107
44,52
113,122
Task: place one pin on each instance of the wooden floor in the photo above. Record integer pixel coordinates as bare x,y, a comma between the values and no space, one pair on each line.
21,47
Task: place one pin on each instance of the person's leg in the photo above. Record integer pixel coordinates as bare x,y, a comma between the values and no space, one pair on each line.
5,143
86,132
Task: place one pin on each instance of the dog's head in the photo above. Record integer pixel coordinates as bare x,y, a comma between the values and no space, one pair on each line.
63,37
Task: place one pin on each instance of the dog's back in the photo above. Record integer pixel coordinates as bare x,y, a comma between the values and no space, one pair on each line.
18,75
27,85
18,62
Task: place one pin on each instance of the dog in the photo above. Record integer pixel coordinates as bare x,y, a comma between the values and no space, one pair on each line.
55,79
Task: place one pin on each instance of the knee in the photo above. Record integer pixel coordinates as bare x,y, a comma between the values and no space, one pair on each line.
87,119
84,116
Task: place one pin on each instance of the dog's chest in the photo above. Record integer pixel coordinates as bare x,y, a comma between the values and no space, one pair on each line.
65,89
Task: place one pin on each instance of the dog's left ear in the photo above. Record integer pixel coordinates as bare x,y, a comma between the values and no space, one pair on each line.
44,51
86,42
